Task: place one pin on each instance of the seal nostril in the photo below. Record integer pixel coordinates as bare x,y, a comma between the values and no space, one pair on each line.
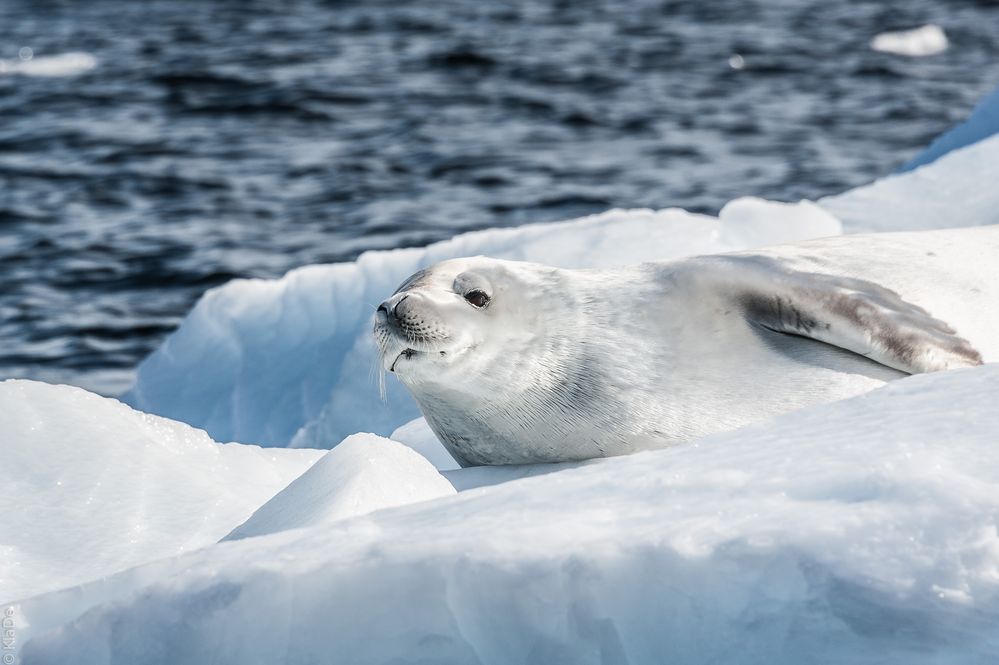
383,309
395,308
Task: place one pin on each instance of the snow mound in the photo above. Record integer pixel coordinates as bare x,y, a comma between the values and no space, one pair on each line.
915,43
954,191
52,66
91,487
362,474
855,532
291,361
417,435
982,123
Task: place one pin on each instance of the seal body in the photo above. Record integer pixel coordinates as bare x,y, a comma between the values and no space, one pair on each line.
517,363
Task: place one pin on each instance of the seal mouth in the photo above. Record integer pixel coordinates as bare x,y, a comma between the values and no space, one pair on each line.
406,353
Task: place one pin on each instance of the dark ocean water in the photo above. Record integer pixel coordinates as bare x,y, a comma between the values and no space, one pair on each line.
230,139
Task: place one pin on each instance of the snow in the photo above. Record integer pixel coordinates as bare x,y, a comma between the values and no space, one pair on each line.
52,66
855,532
362,474
982,123
417,435
91,487
918,42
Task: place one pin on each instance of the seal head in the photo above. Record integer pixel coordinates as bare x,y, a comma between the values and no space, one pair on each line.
496,354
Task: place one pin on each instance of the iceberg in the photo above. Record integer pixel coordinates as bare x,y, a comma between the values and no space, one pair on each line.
854,532
91,487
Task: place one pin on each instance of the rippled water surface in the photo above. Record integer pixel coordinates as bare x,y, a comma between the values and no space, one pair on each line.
216,140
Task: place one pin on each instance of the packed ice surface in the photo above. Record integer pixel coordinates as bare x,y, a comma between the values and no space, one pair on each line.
291,361
918,42
90,487
362,474
982,123
861,531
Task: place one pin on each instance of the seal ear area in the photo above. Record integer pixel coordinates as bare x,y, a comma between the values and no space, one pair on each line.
854,314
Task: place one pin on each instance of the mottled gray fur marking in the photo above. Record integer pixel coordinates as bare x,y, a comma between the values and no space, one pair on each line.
818,306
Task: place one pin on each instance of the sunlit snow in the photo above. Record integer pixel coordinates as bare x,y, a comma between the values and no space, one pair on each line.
855,532
91,487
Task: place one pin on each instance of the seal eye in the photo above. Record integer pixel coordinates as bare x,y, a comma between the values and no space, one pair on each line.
477,298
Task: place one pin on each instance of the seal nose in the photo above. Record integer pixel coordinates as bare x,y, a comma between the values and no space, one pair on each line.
390,308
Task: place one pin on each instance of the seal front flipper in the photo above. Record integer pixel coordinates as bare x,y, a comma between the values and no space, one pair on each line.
854,314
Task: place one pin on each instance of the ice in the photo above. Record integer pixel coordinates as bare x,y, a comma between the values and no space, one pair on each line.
63,64
982,123
956,190
417,435
918,42
291,361
362,474
90,487
861,531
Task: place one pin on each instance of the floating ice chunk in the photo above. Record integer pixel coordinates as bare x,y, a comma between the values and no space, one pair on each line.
362,474
927,40
291,361
64,64
417,435
863,530
89,487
